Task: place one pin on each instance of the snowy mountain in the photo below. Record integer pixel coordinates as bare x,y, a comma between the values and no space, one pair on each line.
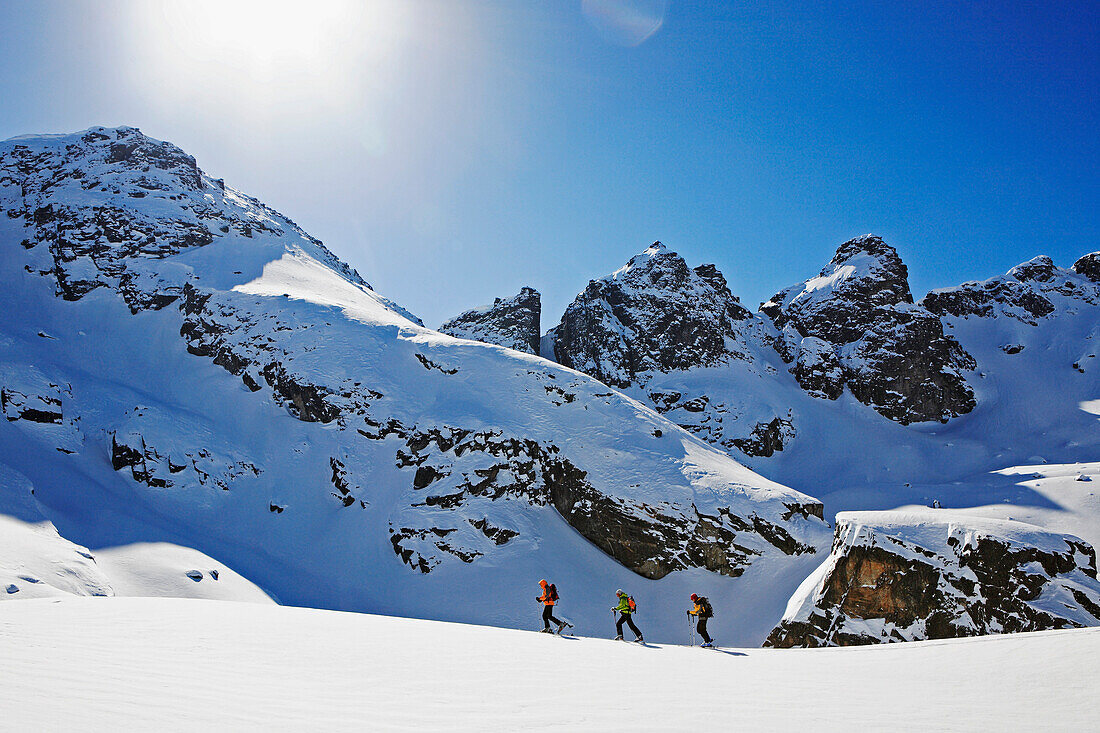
679,340
652,315
186,365
514,323
937,574
843,381
869,337
841,384
1035,293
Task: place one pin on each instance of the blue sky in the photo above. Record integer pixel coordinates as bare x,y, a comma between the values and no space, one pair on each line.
454,152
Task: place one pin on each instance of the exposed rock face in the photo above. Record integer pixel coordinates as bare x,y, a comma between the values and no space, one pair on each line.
1089,266
653,315
766,438
894,355
677,338
1026,293
514,322
938,574
865,278
818,369
165,467
32,400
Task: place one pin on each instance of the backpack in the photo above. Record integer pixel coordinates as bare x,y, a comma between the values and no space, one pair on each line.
708,612
552,590
631,604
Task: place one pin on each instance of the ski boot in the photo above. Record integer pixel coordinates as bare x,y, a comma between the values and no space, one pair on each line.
619,638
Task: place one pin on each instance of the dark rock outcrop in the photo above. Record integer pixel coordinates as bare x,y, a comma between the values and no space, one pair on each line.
818,369
893,355
1089,266
513,322
43,406
653,315
766,438
896,576
651,540
159,468
1026,293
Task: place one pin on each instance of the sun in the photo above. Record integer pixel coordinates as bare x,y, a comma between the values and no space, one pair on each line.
268,31
259,55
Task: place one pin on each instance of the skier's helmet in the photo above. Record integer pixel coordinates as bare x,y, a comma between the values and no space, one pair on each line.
543,582
694,597
619,592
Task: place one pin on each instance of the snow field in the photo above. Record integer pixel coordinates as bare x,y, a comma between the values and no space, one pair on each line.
174,664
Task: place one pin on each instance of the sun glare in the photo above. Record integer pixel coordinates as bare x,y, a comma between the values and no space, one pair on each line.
257,57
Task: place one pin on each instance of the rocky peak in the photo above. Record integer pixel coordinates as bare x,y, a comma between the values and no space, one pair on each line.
124,152
512,322
98,207
891,354
1089,266
711,275
938,574
880,259
1041,269
838,305
655,314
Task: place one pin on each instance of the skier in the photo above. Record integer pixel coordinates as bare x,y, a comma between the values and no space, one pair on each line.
548,598
626,609
702,611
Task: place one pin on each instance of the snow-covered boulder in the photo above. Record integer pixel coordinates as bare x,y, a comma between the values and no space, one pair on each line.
894,354
936,574
514,323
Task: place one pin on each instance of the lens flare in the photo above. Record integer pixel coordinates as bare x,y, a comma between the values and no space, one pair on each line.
625,22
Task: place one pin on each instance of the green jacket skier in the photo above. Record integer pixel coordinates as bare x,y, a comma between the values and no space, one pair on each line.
625,608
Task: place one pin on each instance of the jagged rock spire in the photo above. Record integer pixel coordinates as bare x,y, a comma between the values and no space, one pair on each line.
511,322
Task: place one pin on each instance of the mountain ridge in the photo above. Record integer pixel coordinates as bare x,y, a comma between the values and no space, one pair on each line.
188,366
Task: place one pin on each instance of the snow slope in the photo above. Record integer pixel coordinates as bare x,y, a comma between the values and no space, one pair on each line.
37,562
106,664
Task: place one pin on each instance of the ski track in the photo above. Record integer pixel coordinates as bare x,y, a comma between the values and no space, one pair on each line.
177,664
